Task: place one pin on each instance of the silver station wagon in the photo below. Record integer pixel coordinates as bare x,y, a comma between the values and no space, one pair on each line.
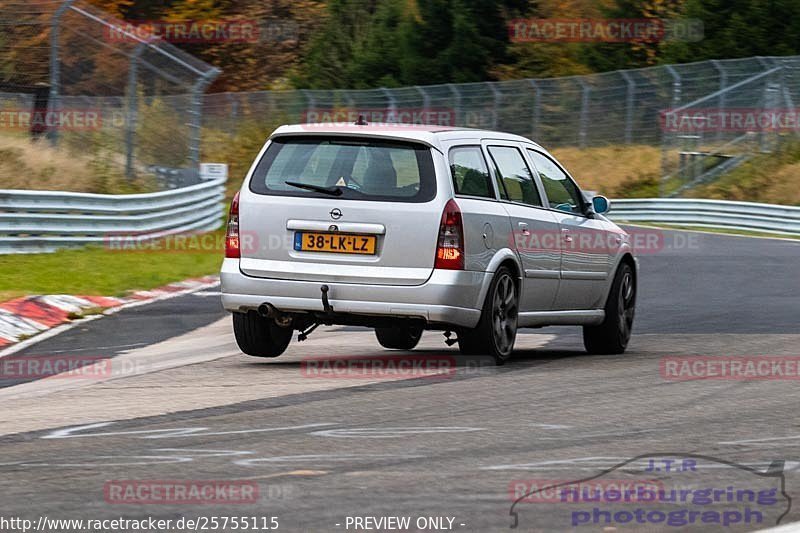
408,228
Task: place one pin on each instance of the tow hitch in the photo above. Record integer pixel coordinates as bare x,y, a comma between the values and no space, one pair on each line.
327,319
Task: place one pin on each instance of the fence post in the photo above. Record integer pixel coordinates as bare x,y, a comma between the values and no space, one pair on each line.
132,116
426,100
723,84
457,104
196,115
311,104
629,101
392,109
666,140
537,105
55,67
234,114
584,120
497,97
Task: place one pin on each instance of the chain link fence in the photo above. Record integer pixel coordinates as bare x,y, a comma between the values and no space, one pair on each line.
616,108
73,74
148,98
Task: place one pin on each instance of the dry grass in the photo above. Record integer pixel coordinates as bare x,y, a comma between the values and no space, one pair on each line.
770,178
25,164
615,171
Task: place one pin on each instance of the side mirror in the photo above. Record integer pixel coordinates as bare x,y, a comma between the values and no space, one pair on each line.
600,205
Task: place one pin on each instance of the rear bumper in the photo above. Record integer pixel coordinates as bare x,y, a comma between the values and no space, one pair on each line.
448,297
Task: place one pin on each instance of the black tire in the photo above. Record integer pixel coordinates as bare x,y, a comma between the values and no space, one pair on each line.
497,329
260,337
612,336
400,337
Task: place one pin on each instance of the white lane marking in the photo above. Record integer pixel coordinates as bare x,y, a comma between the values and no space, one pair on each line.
96,348
387,433
208,293
182,456
320,460
764,440
596,435
551,426
73,432
138,460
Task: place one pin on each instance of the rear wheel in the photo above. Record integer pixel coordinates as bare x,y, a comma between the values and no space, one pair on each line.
612,336
399,338
259,336
497,328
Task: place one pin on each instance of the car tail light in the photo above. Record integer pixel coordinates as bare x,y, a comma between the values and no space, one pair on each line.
232,235
450,248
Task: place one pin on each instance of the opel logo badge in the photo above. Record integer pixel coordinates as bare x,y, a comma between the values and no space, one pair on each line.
336,213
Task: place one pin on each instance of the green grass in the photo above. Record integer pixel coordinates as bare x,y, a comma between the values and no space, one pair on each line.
97,270
721,231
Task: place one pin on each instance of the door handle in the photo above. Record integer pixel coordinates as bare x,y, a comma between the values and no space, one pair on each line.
567,236
523,228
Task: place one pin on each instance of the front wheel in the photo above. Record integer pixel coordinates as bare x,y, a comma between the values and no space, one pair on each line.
612,336
259,336
497,328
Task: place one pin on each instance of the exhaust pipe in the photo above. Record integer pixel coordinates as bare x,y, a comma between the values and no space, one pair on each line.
267,310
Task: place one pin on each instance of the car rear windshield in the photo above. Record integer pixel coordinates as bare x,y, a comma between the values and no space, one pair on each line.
348,168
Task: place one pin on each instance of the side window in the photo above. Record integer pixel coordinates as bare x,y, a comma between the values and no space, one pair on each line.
515,175
470,175
562,193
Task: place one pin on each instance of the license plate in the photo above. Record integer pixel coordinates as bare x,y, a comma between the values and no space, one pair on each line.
334,243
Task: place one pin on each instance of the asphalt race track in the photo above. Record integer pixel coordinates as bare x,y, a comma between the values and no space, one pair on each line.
457,448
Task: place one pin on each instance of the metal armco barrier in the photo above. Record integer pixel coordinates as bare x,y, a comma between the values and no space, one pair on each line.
42,221
778,219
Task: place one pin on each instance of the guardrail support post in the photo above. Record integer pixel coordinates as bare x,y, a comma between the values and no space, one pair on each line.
55,67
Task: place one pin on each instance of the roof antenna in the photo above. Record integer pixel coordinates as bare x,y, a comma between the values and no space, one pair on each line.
361,121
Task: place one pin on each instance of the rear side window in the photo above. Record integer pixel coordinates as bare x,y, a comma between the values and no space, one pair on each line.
515,175
470,174
351,168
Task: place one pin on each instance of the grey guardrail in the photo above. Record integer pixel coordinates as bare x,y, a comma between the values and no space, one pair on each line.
42,221
778,219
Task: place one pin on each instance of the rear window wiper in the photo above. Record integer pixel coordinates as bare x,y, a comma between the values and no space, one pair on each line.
333,191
